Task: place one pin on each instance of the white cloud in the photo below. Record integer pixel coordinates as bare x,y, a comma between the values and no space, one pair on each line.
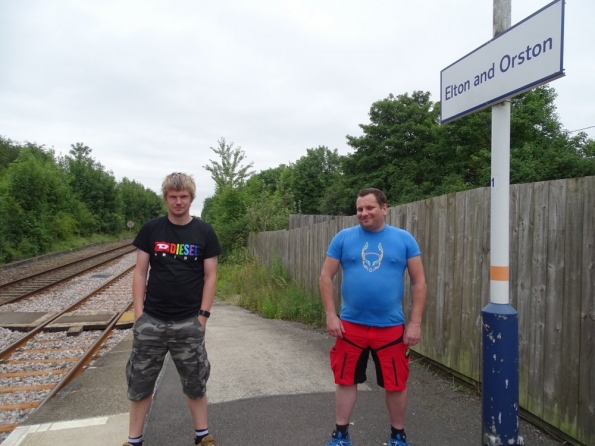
151,85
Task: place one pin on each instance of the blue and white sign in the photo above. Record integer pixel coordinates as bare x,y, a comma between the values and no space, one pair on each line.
524,56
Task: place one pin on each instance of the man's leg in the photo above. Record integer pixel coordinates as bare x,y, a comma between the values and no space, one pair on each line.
345,398
396,403
198,409
138,414
348,359
143,367
189,354
389,352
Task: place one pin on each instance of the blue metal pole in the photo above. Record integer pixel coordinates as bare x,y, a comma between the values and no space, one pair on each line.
500,376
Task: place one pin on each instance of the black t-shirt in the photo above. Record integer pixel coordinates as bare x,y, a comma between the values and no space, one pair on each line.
176,276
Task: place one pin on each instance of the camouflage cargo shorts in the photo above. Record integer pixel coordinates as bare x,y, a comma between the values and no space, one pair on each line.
153,338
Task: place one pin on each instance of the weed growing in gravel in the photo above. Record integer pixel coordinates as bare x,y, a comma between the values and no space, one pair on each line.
268,291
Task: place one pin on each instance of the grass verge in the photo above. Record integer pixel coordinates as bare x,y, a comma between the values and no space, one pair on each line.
268,291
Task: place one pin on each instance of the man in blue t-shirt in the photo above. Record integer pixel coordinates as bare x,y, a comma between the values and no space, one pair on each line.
374,257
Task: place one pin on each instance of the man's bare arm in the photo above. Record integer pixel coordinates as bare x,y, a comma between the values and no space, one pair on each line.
327,294
208,292
417,278
139,282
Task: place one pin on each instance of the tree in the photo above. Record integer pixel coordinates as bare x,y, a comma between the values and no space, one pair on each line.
406,153
9,151
463,153
311,176
403,151
226,210
395,151
337,198
46,201
95,187
540,148
270,212
273,181
139,204
229,172
38,206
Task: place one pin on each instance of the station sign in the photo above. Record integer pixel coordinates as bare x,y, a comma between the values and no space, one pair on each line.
525,56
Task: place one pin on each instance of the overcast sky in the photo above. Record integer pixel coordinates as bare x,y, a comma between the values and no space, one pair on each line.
150,85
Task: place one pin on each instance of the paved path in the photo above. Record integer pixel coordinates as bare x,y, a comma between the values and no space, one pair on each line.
271,384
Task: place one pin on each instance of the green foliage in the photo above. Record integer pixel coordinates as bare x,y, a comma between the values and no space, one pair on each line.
9,151
338,198
239,256
540,149
242,205
311,176
463,154
268,291
77,242
139,204
404,151
228,173
268,213
96,188
227,214
394,152
272,181
37,200
226,210
270,200
48,203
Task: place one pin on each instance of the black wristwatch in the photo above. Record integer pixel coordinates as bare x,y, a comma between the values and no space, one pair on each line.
204,313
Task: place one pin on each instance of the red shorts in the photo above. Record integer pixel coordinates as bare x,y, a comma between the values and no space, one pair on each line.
349,356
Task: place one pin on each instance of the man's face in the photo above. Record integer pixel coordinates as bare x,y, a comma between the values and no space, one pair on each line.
369,213
178,202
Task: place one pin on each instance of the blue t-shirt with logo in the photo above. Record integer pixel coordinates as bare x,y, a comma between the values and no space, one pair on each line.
373,266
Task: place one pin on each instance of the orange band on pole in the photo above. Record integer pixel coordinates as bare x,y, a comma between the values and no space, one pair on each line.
499,273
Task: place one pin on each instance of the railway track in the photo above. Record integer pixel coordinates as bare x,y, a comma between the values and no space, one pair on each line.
35,367
26,286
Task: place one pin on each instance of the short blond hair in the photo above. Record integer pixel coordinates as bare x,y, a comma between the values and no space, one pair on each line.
178,181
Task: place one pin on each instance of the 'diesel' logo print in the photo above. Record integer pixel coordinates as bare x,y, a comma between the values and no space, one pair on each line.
371,260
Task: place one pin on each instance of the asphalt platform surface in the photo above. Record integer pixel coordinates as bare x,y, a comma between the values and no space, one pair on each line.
270,384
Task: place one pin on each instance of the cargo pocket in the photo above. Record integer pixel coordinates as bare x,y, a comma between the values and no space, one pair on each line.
338,362
129,368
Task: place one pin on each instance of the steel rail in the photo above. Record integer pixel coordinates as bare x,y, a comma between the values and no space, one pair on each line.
7,351
30,276
63,279
87,357
83,360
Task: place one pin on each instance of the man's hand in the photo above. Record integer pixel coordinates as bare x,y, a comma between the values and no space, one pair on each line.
412,334
334,326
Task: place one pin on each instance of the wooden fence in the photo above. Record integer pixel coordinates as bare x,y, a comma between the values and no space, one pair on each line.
299,220
552,286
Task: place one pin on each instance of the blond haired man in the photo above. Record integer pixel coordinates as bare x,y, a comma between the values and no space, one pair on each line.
171,307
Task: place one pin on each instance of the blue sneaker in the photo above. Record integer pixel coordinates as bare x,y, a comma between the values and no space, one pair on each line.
399,441
337,439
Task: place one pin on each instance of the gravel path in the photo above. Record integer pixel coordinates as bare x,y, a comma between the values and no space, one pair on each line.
52,362
16,270
61,296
